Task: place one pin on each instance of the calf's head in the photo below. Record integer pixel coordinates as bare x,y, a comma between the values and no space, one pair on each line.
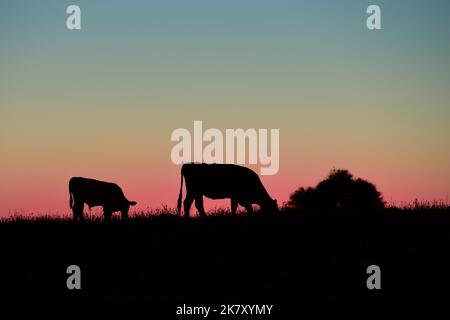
126,207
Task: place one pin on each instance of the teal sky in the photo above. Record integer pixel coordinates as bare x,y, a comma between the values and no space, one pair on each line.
195,39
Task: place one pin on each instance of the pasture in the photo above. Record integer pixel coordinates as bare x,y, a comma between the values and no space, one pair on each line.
288,259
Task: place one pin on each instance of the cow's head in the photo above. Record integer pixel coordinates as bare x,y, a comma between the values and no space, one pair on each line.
271,206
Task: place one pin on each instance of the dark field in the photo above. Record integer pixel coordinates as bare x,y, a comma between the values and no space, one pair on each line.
290,259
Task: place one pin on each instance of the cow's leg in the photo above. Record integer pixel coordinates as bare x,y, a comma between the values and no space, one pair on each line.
74,213
107,212
234,205
187,204
199,205
248,206
77,211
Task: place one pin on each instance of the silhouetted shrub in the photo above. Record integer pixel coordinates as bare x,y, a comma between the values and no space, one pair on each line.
340,190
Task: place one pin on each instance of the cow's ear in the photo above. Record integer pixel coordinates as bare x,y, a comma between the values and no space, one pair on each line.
132,203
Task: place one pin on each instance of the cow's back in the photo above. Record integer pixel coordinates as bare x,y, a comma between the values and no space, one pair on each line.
218,181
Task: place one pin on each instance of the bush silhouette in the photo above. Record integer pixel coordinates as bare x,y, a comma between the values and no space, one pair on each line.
340,190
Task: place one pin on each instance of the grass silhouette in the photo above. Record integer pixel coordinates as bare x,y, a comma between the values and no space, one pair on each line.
294,257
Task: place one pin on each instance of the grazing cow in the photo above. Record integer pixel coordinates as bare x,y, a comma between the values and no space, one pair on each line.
220,181
97,193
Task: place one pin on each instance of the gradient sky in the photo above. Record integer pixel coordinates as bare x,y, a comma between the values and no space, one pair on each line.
102,102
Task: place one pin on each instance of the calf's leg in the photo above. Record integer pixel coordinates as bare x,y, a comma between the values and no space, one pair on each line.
234,205
247,206
107,213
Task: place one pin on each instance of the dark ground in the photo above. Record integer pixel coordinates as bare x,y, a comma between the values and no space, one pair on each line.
291,260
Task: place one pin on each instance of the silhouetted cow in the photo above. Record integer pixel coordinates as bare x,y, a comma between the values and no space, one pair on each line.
220,181
97,193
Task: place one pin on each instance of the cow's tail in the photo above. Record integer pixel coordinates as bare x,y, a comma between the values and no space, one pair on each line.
71,200
180,196
70,195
